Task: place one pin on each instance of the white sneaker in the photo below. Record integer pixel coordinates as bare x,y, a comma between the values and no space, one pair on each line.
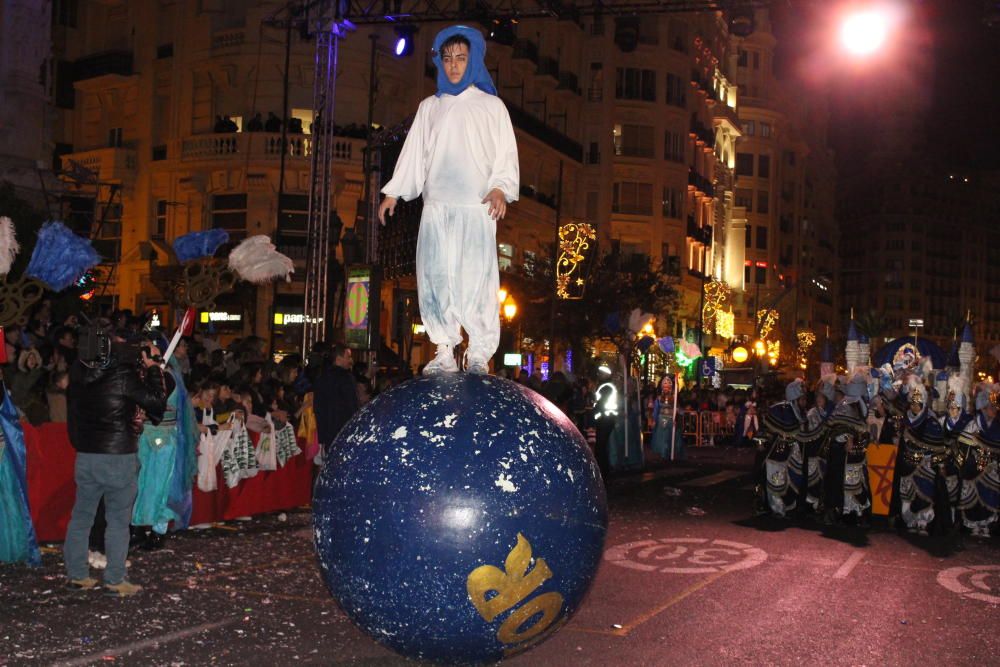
443,362
476,363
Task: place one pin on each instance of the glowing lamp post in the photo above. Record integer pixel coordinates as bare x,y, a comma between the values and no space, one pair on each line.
866,30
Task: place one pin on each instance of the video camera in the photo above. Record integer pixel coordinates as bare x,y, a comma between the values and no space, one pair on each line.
95,347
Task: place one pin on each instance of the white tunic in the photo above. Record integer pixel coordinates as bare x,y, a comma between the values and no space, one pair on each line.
459,148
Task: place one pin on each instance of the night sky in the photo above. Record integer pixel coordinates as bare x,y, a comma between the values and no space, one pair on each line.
943,67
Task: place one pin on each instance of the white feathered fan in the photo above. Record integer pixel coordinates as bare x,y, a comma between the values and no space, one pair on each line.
8,245
256,260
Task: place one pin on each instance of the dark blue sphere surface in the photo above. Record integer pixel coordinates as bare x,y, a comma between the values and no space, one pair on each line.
459,518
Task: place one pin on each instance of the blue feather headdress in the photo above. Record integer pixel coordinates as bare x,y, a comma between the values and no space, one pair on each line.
60,256
199,244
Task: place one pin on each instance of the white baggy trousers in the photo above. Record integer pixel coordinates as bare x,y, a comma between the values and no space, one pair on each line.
458,277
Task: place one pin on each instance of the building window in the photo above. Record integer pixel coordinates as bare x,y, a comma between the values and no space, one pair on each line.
741,58
761,275
762,202
894,244
747,273
594,154
229,212
164,51
748,128
65,12
763,166
632,198
115,137
530,263
756,59
744,198
744,164
673,146
160,220
761,237
678,35
635,84
673,206
790,158
676,91
505,256
633,140
765,129
294,220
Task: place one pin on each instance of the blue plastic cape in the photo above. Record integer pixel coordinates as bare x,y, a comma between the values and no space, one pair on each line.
60,256
476,73
14,456
179,499
196,245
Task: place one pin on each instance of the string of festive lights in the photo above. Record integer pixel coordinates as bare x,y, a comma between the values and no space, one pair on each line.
766,319
716,294
574,241
806,340
725,324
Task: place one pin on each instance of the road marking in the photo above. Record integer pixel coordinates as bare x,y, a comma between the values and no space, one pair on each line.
159,640
849,564
632,625
685,555
717,478
976,575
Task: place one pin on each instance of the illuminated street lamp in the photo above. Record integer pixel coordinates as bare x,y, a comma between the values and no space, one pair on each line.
509,308
866,30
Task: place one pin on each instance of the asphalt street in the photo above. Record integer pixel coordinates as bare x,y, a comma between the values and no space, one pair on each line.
688,578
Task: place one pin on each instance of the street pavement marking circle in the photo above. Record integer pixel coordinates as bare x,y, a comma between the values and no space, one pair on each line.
964,580
685,555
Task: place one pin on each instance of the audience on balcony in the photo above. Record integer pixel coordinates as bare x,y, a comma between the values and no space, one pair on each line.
273,123
224,124
255,124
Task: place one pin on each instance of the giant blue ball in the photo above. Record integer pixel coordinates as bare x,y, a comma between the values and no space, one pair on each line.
459,518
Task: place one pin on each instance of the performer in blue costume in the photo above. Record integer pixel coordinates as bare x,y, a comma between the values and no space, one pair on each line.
460,155
167,464
668,437
17,533
979,446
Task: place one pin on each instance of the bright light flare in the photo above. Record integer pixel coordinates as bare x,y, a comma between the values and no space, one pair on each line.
864,32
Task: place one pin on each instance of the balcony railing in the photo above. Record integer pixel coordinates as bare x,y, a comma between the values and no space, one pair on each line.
227,38
526,49
107,164
700,183
547,135
548,67
264,146
100,64
568,81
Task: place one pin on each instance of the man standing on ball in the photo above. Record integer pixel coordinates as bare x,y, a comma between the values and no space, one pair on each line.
461,155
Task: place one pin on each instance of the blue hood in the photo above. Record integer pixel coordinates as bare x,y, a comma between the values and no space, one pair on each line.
476,74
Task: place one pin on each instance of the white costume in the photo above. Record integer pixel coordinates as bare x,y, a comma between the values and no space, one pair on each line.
459,148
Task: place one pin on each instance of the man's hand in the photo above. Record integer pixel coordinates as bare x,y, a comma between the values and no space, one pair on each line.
148,361
388,205
497,202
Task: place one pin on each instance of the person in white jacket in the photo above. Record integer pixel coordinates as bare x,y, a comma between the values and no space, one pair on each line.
461,156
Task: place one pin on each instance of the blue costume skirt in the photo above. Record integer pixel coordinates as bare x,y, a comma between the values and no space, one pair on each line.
157,450
661,438
14,525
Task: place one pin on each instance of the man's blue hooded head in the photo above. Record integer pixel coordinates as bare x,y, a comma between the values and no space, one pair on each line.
476,73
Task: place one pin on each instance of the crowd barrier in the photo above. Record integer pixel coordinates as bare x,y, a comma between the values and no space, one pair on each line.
51,489
707,428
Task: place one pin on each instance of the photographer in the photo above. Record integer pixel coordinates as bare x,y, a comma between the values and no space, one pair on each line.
112,388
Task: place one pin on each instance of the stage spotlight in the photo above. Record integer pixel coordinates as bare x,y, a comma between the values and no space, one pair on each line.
404,40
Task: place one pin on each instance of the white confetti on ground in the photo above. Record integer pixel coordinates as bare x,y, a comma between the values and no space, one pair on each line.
503,481
399,433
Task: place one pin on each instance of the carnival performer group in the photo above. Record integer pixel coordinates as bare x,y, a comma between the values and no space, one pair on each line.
943,428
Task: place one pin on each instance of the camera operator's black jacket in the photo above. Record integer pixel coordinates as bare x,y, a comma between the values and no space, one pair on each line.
102,405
